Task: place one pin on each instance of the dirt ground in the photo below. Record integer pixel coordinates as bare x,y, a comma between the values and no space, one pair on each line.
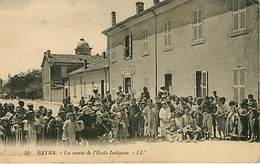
209,151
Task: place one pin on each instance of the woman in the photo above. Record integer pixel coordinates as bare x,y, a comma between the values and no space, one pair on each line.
164,115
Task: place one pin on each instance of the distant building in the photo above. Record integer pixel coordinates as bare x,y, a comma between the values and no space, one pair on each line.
55,69
94,74
192,47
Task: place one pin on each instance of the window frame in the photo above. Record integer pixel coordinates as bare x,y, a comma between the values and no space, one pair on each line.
130,47
113,51
146,41
202,87
124,84
64,71
238,86
167,33
238,12
196,24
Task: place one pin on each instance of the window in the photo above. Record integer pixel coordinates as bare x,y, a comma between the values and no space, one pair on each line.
168,81
74,89
167,34
201,83
127,46
64,72
127,84
197,24
146,43
239,83
239,15
113,51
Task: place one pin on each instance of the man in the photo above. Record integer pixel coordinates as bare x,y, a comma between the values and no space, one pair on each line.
209,109
251,101
216,98
134,118
82,102
145,94
95,96
115,107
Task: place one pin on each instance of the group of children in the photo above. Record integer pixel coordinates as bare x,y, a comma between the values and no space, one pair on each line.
169,118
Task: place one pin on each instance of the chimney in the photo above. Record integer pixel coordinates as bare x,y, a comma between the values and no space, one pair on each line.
139,7
48,52
113,16
155,2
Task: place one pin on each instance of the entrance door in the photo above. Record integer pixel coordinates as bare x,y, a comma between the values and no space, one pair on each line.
127,84
201,83
168,81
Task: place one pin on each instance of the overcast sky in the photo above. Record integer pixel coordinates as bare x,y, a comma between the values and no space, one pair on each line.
29,27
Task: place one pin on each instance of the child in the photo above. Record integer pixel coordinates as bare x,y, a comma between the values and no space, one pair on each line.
174,132
69,129
123,124
115,127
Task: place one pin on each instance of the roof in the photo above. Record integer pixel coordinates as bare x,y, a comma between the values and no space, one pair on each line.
163,3
65,58
97,63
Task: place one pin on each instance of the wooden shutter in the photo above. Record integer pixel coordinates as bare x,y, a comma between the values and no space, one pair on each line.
243,19
204,83
235,79
130,46
124,47
195,84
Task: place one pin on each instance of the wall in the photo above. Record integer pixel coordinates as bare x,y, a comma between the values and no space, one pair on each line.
46,81
142,63
84,83
219,54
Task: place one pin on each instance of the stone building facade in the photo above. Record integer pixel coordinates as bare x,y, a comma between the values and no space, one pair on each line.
193,47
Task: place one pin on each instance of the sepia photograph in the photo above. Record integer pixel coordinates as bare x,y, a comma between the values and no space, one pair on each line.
130,81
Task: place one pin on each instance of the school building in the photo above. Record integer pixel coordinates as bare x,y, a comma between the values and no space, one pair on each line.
193,47
55,69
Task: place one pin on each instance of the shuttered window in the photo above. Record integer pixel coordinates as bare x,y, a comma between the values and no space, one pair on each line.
167,34
113,51
64,72
239,15
239,83
201,83
127,44
146,43
197,24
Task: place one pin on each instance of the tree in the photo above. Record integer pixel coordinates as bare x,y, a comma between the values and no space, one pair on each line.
25,85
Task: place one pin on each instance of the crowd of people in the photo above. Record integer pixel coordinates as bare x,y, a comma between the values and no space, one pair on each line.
107,120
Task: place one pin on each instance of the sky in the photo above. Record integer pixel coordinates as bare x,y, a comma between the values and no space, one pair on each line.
30,27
